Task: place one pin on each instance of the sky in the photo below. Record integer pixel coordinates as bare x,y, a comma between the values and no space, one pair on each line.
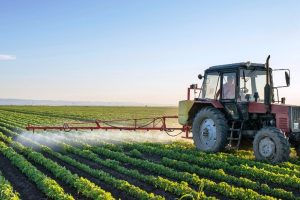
138,50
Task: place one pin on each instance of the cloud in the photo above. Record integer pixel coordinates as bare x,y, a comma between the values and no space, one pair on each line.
7,57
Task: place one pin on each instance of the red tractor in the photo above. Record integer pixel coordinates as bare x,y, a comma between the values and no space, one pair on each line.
237,102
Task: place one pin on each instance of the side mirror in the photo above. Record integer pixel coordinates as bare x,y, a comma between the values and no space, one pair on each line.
200,76
287,79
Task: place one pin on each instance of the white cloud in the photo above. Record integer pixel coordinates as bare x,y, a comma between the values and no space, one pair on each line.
7,57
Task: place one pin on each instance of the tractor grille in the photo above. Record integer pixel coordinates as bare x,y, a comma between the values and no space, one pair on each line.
283,123
295,119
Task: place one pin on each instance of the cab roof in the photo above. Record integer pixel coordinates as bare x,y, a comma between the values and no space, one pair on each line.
236,66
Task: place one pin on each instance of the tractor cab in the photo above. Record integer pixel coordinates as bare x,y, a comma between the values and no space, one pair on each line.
240,82
238,85
234,86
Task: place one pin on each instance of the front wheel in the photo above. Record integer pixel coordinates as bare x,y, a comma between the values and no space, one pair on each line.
271,145
210,130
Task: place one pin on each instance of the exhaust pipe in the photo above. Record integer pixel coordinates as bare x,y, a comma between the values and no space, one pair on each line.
268,89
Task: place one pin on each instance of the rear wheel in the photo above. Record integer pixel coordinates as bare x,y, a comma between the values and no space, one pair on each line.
271,145
210,130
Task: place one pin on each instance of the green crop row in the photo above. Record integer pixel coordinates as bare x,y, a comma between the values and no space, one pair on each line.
26,119
44,183
176,188
221,188
170,186
211,162
234,160
105,177
222,176
93,112
159,182
12,124
218,174
6,190
82,185
101,175
94,157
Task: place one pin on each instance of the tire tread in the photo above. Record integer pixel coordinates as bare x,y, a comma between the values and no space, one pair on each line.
284,146
220,120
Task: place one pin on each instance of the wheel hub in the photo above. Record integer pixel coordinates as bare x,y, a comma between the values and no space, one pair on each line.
266,147
208,133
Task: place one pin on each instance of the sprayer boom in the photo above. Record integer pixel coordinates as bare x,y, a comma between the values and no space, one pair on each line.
146,124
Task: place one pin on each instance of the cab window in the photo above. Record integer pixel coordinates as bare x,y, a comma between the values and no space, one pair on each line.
252,83
229,86
211,85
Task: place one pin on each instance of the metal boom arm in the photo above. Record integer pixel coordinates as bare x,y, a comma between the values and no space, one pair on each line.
146,124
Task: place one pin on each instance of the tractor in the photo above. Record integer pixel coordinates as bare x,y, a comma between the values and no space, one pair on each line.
237,102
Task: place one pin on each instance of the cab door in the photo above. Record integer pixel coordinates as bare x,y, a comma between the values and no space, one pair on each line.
229,94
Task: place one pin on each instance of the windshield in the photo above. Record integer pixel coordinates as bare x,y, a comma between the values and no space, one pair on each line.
211,85
251,82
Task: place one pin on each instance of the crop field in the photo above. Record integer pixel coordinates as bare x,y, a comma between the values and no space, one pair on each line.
125,165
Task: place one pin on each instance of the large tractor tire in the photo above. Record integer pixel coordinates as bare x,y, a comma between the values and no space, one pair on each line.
271,145
210,130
